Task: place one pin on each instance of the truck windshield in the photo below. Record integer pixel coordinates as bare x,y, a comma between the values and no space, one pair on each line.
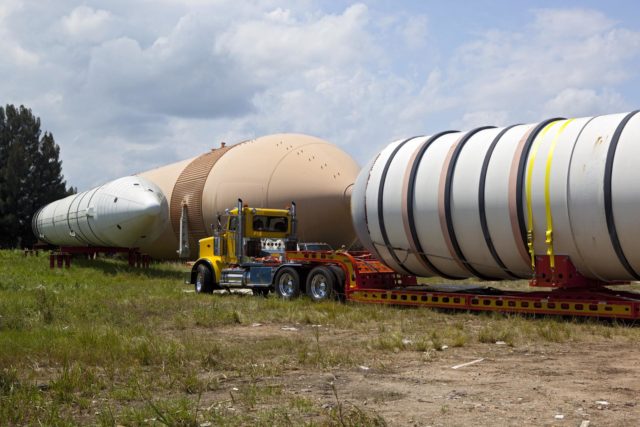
233,223
270,223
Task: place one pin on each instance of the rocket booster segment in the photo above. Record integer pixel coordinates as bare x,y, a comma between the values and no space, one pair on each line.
486,202
270,171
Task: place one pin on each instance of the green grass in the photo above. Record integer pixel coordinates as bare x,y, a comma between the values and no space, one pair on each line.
105,344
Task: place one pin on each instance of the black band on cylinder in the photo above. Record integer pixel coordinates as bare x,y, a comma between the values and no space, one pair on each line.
481,203
447,202
522,169
383,228
608,198
410,198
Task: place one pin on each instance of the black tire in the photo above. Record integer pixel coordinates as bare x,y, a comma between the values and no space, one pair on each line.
287,283
204,280
341,282
321,284
262,292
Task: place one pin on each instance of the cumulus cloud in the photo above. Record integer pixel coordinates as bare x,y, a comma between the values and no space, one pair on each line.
87,24
582,102
12,52
569,59
278,44
178,75
570,23
128,86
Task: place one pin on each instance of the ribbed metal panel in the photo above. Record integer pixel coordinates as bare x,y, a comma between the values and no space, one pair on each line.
188,191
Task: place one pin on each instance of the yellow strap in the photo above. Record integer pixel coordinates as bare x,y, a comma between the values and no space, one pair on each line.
532,160
547,194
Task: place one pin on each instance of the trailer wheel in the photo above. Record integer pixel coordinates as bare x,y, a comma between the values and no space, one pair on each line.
321,284
204,280
341,282
287,283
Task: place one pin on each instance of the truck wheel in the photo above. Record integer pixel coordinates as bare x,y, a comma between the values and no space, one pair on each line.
287,283
321,284
341,281
204,280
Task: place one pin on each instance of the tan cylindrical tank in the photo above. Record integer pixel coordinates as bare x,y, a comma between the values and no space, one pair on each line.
269,171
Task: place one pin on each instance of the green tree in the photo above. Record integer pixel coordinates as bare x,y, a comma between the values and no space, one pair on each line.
30,174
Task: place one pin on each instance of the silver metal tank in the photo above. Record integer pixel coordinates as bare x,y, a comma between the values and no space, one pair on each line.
484,202
126,212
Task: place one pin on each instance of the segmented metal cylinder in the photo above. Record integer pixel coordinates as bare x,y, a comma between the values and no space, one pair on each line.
484,202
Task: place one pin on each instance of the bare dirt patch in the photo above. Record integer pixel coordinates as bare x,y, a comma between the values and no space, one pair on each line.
554,384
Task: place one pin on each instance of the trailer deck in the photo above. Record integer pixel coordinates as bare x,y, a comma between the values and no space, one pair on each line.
605,303
370,281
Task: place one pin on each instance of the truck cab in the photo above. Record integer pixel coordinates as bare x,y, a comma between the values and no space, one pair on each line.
236,255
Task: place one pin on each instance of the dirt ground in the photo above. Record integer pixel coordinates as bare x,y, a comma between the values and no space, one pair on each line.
549,384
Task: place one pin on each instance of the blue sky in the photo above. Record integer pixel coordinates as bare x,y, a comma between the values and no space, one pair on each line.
125,86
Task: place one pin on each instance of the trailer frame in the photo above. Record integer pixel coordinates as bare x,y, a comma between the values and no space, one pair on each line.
370,281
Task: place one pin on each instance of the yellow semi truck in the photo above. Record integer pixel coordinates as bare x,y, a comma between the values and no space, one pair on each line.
247,250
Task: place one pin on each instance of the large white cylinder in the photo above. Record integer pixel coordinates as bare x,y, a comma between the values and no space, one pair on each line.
482,203
126,212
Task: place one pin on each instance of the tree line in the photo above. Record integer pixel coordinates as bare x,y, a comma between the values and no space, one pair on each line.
30,174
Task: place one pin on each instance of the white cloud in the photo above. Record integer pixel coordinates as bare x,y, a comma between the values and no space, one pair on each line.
583,102
570,23
178,75
132,85
18,55
532,73
11,49
278,45
8,7
87,24
415,31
